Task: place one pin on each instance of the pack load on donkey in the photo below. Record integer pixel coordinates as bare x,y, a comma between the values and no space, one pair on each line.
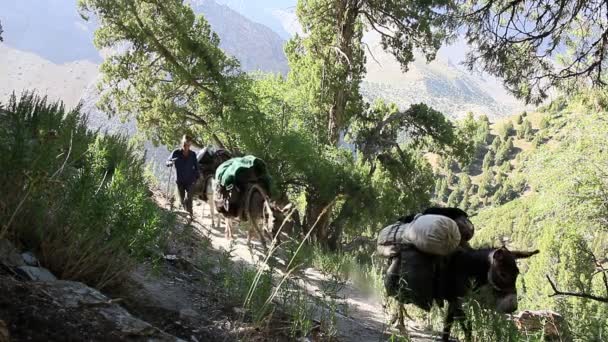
234,178
415,249
433,234
209,159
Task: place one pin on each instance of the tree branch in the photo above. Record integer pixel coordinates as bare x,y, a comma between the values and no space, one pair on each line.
557,292
202,121
168,55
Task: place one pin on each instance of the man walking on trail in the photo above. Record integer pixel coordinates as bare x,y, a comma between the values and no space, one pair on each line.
186,168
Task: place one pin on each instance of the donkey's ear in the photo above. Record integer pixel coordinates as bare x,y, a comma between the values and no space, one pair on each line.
499,254
524,255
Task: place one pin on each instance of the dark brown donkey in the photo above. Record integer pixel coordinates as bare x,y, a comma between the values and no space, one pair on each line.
469,269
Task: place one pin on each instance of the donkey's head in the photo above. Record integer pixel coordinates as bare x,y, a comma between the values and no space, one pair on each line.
502,276
281,218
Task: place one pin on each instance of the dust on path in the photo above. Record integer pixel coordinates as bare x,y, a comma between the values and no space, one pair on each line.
362,319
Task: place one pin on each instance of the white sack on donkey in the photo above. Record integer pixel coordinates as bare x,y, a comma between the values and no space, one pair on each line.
433,234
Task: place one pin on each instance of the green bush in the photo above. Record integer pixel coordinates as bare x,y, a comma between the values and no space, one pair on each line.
78,198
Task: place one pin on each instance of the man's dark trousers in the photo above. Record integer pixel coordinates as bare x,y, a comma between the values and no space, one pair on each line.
185,196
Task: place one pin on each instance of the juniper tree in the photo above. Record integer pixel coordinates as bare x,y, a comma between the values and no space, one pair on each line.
505,130
527,131
496,144
455,198
488,160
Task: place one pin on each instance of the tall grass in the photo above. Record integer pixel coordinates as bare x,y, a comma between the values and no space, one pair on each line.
79,198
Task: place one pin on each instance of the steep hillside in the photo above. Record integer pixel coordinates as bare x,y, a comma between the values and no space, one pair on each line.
23,70
441,84
256,46
268,14
53,30
546,190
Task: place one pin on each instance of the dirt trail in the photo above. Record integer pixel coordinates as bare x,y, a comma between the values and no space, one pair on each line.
363,318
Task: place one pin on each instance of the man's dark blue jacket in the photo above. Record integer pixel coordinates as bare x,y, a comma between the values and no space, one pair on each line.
185,167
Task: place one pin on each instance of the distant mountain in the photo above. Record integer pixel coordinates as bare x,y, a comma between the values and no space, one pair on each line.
441,84
256,46
21,70
53,30
267,14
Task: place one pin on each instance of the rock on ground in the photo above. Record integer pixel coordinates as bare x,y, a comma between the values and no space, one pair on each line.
68,311
35,273
9,255
551,322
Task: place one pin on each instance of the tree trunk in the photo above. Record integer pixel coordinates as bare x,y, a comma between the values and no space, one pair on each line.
346,17
314,212
337,226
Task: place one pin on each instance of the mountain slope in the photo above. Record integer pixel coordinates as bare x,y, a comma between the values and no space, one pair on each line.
27,71
53,30
565,214
256,46
549,193
440,84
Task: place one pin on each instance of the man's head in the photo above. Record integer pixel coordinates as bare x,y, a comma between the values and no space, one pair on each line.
186,142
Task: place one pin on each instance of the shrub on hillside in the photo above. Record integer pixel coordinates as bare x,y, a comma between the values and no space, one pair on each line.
505,130
77,197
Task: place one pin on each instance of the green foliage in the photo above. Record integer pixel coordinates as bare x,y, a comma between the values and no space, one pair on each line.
505,130
564,217
496,144
449,177
73,195
544,122
503,151
488,160
465,183
464,203
526,130
488,325
533,52
455,198
485,184
174,76
443,190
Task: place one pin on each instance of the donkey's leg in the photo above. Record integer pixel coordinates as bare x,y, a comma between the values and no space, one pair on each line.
212,212
449,320
455,312
401,316
259,229
228,230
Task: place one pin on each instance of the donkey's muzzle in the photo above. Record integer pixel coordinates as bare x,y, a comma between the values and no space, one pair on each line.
507,304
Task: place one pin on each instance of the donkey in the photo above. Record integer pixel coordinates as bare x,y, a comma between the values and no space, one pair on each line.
209,158
266,219
469,269
213,213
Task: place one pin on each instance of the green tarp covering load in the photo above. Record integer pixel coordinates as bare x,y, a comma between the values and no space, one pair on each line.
242,170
